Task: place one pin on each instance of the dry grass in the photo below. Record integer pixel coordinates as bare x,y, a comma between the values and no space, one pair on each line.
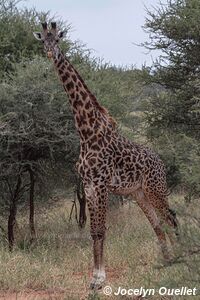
59,264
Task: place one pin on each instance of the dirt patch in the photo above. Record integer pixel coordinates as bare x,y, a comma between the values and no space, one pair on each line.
33,295
59,294
45,295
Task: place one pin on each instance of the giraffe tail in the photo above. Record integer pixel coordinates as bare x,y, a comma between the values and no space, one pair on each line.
174,221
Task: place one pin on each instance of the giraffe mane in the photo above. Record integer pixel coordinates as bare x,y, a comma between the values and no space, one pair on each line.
96,104
103,110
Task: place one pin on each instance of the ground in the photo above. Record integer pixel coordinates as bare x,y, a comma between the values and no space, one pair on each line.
59,264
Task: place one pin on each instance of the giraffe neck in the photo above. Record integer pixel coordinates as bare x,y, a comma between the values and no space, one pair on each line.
89,115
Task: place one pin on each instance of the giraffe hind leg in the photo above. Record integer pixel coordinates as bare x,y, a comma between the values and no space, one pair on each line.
167,214
170,218
154,220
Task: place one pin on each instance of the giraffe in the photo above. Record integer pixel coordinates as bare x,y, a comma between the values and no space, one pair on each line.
108,162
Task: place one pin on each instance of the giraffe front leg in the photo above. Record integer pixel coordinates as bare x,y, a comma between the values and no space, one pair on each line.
97,204
99,274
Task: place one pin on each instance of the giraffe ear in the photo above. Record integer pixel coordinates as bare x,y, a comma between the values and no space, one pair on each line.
62,34
37,35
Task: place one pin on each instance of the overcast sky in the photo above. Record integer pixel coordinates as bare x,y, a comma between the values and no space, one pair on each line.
109,27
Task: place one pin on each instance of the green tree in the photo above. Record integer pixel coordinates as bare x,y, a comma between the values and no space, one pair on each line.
173,111
173,107
37,132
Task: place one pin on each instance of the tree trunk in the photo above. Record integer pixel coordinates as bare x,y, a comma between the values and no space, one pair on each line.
31,206
13,212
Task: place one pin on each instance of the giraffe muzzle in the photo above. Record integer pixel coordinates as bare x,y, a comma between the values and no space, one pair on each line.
49,54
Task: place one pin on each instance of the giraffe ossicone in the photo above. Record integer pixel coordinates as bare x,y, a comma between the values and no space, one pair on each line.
108,162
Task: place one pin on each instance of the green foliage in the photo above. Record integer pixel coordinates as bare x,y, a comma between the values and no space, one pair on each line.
173,109
180,154
116,88
36,125
174,28
16,34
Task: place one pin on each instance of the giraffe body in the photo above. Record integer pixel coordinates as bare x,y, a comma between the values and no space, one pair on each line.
109,162
123,166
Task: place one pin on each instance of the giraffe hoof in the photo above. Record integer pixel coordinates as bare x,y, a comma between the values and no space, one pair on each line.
95,286
97,283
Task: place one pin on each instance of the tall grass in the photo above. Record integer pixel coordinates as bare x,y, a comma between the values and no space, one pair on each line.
59,264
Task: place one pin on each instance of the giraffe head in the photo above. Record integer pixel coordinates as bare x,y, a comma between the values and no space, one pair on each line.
50,38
